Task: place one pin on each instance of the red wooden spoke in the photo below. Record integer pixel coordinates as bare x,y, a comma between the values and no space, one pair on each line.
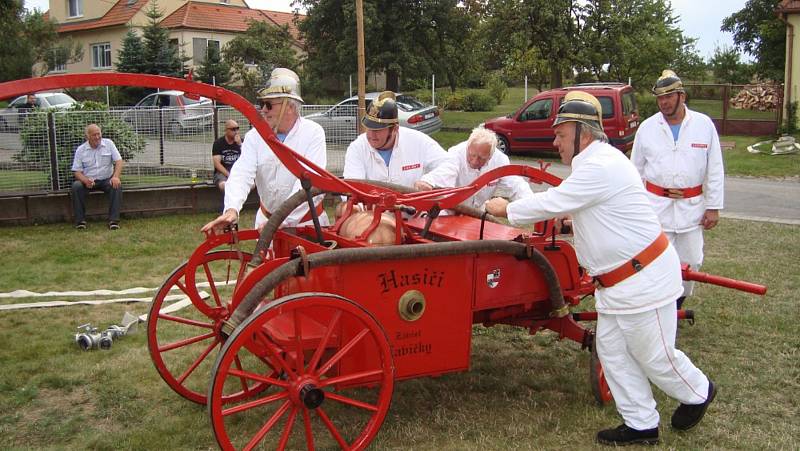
345,349
267,426
351,401
243,381
191,322
211,284
307,429
287,430
349,377
242,271
278,359
198,360
259,378
334,432
312,366
255,403
188,341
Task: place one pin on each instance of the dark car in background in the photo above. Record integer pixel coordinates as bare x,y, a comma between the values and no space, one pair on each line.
529,129
341,120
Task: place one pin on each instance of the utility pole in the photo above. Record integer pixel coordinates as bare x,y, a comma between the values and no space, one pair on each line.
362,77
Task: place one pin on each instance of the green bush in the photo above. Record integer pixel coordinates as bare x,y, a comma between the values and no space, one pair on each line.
451,101
497,87
70,133
647,105
478,101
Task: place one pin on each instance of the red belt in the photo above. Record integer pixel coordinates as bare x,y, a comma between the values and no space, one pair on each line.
305,218
635,264
674,193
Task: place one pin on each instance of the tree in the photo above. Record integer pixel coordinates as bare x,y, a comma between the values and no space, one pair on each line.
27,39
549,26
214,69
758,32
161,57
131,55
391,46
253,54
445,32
634,39
727,68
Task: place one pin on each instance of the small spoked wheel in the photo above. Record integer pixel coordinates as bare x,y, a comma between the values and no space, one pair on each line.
597,378
328,374
183,342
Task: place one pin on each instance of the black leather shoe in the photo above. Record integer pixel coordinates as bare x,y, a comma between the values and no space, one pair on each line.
623,435
687,416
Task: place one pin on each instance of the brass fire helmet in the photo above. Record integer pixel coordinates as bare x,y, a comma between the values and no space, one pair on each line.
667,83
282,83
382,112
580,107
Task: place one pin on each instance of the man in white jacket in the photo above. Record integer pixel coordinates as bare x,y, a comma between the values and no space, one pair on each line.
678,155
471,159
619,241
388,152
258,164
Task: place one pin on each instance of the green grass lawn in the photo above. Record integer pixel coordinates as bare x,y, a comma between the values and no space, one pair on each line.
522,391
713,108
740,162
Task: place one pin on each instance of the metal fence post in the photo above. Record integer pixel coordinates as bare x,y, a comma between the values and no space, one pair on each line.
161,135
725,100
51,144
215,120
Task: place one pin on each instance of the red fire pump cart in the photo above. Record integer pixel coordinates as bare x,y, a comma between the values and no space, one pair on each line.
297,342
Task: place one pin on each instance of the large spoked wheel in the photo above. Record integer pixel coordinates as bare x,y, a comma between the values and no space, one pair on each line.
183,342
328,370
597,379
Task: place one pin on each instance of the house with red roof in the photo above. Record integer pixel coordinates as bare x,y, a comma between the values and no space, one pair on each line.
194,25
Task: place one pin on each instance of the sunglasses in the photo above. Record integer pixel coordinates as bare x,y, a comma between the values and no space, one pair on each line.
268,105
236,129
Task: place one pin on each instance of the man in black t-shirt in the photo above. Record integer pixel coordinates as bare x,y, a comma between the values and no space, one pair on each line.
225,152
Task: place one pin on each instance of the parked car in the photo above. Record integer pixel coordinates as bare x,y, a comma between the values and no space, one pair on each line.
11,118
178,113
529,128
341,120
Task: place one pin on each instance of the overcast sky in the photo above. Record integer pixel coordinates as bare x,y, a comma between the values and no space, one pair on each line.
699,19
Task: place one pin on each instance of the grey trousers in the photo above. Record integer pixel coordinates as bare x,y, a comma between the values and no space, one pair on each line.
79,191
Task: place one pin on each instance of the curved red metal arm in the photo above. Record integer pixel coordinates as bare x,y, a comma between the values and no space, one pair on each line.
295,163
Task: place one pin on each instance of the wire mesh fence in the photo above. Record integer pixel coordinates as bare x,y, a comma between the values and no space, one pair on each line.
160,146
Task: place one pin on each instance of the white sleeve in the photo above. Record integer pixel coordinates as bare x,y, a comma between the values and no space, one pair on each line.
715,173
434,155
517,186
317,153
584,187
354,165
242,176
445,174
637,154
115,155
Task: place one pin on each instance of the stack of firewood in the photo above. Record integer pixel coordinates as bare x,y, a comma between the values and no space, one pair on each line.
757,97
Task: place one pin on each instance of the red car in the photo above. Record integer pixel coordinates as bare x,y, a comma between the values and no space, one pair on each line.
529,128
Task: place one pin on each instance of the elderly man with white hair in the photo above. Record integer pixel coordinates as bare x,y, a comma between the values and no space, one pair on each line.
280,105
471,159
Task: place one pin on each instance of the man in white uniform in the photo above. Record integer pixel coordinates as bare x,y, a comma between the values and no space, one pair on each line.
471,159
388,152
678,155
619,241
280,105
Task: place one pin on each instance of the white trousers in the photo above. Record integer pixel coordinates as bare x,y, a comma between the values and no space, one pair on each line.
638,349
690,250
